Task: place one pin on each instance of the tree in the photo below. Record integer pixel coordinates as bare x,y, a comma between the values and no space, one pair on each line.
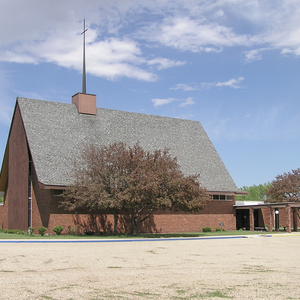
118,177
98,176
285,188
155,182
256,192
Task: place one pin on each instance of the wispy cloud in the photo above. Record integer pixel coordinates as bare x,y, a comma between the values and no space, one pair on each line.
233,83
196,26
295,51
194,35
187,116
6,107
164,63
255,54
160,102
188,101
185,87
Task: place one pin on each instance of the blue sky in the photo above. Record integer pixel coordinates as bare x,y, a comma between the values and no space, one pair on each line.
233,65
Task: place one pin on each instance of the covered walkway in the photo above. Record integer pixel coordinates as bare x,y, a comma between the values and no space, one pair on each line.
257,216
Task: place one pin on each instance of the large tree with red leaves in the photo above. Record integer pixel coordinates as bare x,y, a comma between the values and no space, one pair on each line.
285,188
118,177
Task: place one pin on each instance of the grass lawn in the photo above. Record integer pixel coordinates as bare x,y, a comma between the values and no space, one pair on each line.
4,235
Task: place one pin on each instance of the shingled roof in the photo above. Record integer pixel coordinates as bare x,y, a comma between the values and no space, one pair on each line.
56,133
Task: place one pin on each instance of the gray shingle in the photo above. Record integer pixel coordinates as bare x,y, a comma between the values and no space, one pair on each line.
56,133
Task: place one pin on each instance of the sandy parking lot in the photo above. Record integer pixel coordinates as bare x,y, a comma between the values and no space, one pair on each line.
246,268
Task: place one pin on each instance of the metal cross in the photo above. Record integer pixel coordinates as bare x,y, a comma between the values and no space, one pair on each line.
83,72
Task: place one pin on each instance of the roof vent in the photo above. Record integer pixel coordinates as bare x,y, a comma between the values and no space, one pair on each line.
85,103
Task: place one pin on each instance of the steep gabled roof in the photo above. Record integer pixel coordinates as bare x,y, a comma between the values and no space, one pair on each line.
56,133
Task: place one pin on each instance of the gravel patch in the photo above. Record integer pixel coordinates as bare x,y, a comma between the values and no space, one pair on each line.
248,268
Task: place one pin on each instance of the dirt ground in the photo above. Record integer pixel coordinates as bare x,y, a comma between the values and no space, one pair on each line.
243,268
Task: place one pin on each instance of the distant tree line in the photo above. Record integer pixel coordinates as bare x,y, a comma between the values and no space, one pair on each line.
284,188
255,192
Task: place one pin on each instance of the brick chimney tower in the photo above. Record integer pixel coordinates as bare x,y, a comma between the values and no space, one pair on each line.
85,103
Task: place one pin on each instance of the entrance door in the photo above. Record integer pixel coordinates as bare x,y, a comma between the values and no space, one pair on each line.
242,219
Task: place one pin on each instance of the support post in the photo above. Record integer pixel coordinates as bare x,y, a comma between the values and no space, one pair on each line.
251,218
276,219
270,219
288,218
295,220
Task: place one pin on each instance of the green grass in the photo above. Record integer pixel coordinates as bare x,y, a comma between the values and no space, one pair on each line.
4,235
216,294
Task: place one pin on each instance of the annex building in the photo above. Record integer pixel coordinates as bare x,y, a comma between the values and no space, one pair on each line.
46,136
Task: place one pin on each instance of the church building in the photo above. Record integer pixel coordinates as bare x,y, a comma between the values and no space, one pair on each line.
46,136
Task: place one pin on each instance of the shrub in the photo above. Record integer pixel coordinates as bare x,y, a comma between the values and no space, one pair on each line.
220,229
73,230
206,229
42,230
30,230
13,231
58,229
89,233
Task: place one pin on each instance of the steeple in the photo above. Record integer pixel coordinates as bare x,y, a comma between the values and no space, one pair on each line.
85,103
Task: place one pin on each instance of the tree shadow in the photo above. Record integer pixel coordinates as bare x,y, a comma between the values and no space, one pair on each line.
93,224
125,224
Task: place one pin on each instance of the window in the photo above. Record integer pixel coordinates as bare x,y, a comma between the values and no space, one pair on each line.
58,192
222,197
2,196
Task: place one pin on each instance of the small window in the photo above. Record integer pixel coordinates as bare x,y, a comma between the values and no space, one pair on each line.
2,196
58,192
222,197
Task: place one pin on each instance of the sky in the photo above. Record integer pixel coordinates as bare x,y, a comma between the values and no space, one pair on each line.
232,65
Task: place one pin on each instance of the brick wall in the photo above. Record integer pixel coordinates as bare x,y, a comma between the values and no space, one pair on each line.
282,217
18,166
47,213
3,216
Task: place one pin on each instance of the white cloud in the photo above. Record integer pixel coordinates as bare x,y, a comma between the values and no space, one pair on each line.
233,83
185,87
111,58
296,51
5,113
194,35
188,101
49,31
164,63
6,107
160,102
187,116
253,55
